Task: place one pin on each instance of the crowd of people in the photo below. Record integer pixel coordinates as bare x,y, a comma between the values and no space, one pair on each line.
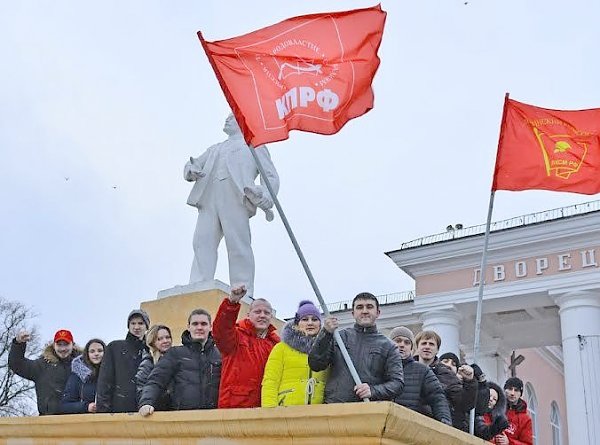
225,363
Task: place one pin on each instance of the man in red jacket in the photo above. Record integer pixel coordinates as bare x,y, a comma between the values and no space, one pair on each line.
519,421
245,347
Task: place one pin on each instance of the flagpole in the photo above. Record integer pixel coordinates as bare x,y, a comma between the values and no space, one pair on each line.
482,267
486,239
313,283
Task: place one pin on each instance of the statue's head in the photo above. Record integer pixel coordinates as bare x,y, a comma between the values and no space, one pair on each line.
231,126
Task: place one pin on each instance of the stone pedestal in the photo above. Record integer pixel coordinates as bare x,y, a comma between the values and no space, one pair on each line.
173,306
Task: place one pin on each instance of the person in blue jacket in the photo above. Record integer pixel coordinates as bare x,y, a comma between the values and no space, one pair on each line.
79,395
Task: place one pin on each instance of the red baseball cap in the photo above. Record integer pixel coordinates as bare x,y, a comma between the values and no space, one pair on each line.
63,335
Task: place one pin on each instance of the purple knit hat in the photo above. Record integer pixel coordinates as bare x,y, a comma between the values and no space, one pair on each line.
306,307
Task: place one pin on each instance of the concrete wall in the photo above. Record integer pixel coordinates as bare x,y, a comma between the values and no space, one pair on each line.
371,423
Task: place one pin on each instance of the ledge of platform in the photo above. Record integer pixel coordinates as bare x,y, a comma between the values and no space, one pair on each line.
348,424
191,288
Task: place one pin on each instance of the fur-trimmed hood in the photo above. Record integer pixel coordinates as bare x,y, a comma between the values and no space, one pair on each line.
50,356
297,340
499,410
81,369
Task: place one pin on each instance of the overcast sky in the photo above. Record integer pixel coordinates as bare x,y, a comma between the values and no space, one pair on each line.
102,103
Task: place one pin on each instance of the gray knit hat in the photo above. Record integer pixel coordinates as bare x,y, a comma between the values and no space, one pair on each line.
139,313
402,331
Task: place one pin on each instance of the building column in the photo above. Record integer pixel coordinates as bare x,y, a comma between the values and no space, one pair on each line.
579,313
446,323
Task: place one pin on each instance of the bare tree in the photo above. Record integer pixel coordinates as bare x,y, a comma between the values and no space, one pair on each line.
17,395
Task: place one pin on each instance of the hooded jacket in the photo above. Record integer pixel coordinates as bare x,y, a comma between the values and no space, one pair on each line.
80,389
519,430
423,392
244,357
48,372
288,379
460,394
116,382
193,370
375,357
493,421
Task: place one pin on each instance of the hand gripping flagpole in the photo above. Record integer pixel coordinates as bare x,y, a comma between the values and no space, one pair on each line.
477,342
313,283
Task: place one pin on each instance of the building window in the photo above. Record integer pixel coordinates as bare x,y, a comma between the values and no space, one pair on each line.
532,405
555,423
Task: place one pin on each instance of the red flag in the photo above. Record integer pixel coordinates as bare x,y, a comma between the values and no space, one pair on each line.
310,73
547,149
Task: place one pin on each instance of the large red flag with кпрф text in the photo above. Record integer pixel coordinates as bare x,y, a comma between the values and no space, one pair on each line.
547,149
310,73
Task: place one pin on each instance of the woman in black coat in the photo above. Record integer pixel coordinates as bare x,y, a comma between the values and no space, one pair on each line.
79,395
493,421
159,341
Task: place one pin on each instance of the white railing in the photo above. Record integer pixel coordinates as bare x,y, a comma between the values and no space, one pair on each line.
395,297
533,218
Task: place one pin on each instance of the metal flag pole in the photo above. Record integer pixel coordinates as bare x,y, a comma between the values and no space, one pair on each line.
477,342
480,301
313,283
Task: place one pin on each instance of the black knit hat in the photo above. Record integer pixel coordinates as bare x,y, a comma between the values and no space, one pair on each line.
452,357
514,382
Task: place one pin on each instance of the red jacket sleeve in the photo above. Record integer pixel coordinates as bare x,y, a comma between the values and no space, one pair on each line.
224,330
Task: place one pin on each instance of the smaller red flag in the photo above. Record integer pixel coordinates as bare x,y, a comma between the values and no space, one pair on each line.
547,149
310,73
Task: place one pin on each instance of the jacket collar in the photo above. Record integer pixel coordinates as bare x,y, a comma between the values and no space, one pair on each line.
520,406
132,338
366,330
407,360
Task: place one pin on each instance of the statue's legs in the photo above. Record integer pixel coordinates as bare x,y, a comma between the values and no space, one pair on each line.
235,223
207,237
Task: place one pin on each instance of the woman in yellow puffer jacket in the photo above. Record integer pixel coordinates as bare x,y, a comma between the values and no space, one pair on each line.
288,379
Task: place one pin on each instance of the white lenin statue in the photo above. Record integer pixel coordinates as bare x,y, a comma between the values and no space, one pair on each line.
227,197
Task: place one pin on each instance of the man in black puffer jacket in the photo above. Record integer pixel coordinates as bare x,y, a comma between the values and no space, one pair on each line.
116,392
375,357
193,370
49,372
422,389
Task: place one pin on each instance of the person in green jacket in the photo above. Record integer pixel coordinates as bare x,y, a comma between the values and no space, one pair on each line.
288,380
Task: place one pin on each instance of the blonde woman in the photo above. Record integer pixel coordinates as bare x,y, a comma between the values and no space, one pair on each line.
159,340
288,380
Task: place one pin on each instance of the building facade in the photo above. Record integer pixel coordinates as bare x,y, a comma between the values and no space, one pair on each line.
541,302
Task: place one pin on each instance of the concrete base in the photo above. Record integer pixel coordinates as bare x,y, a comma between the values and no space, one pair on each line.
371,423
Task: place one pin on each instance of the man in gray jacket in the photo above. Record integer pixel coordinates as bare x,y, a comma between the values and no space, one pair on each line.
375,357
422,389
